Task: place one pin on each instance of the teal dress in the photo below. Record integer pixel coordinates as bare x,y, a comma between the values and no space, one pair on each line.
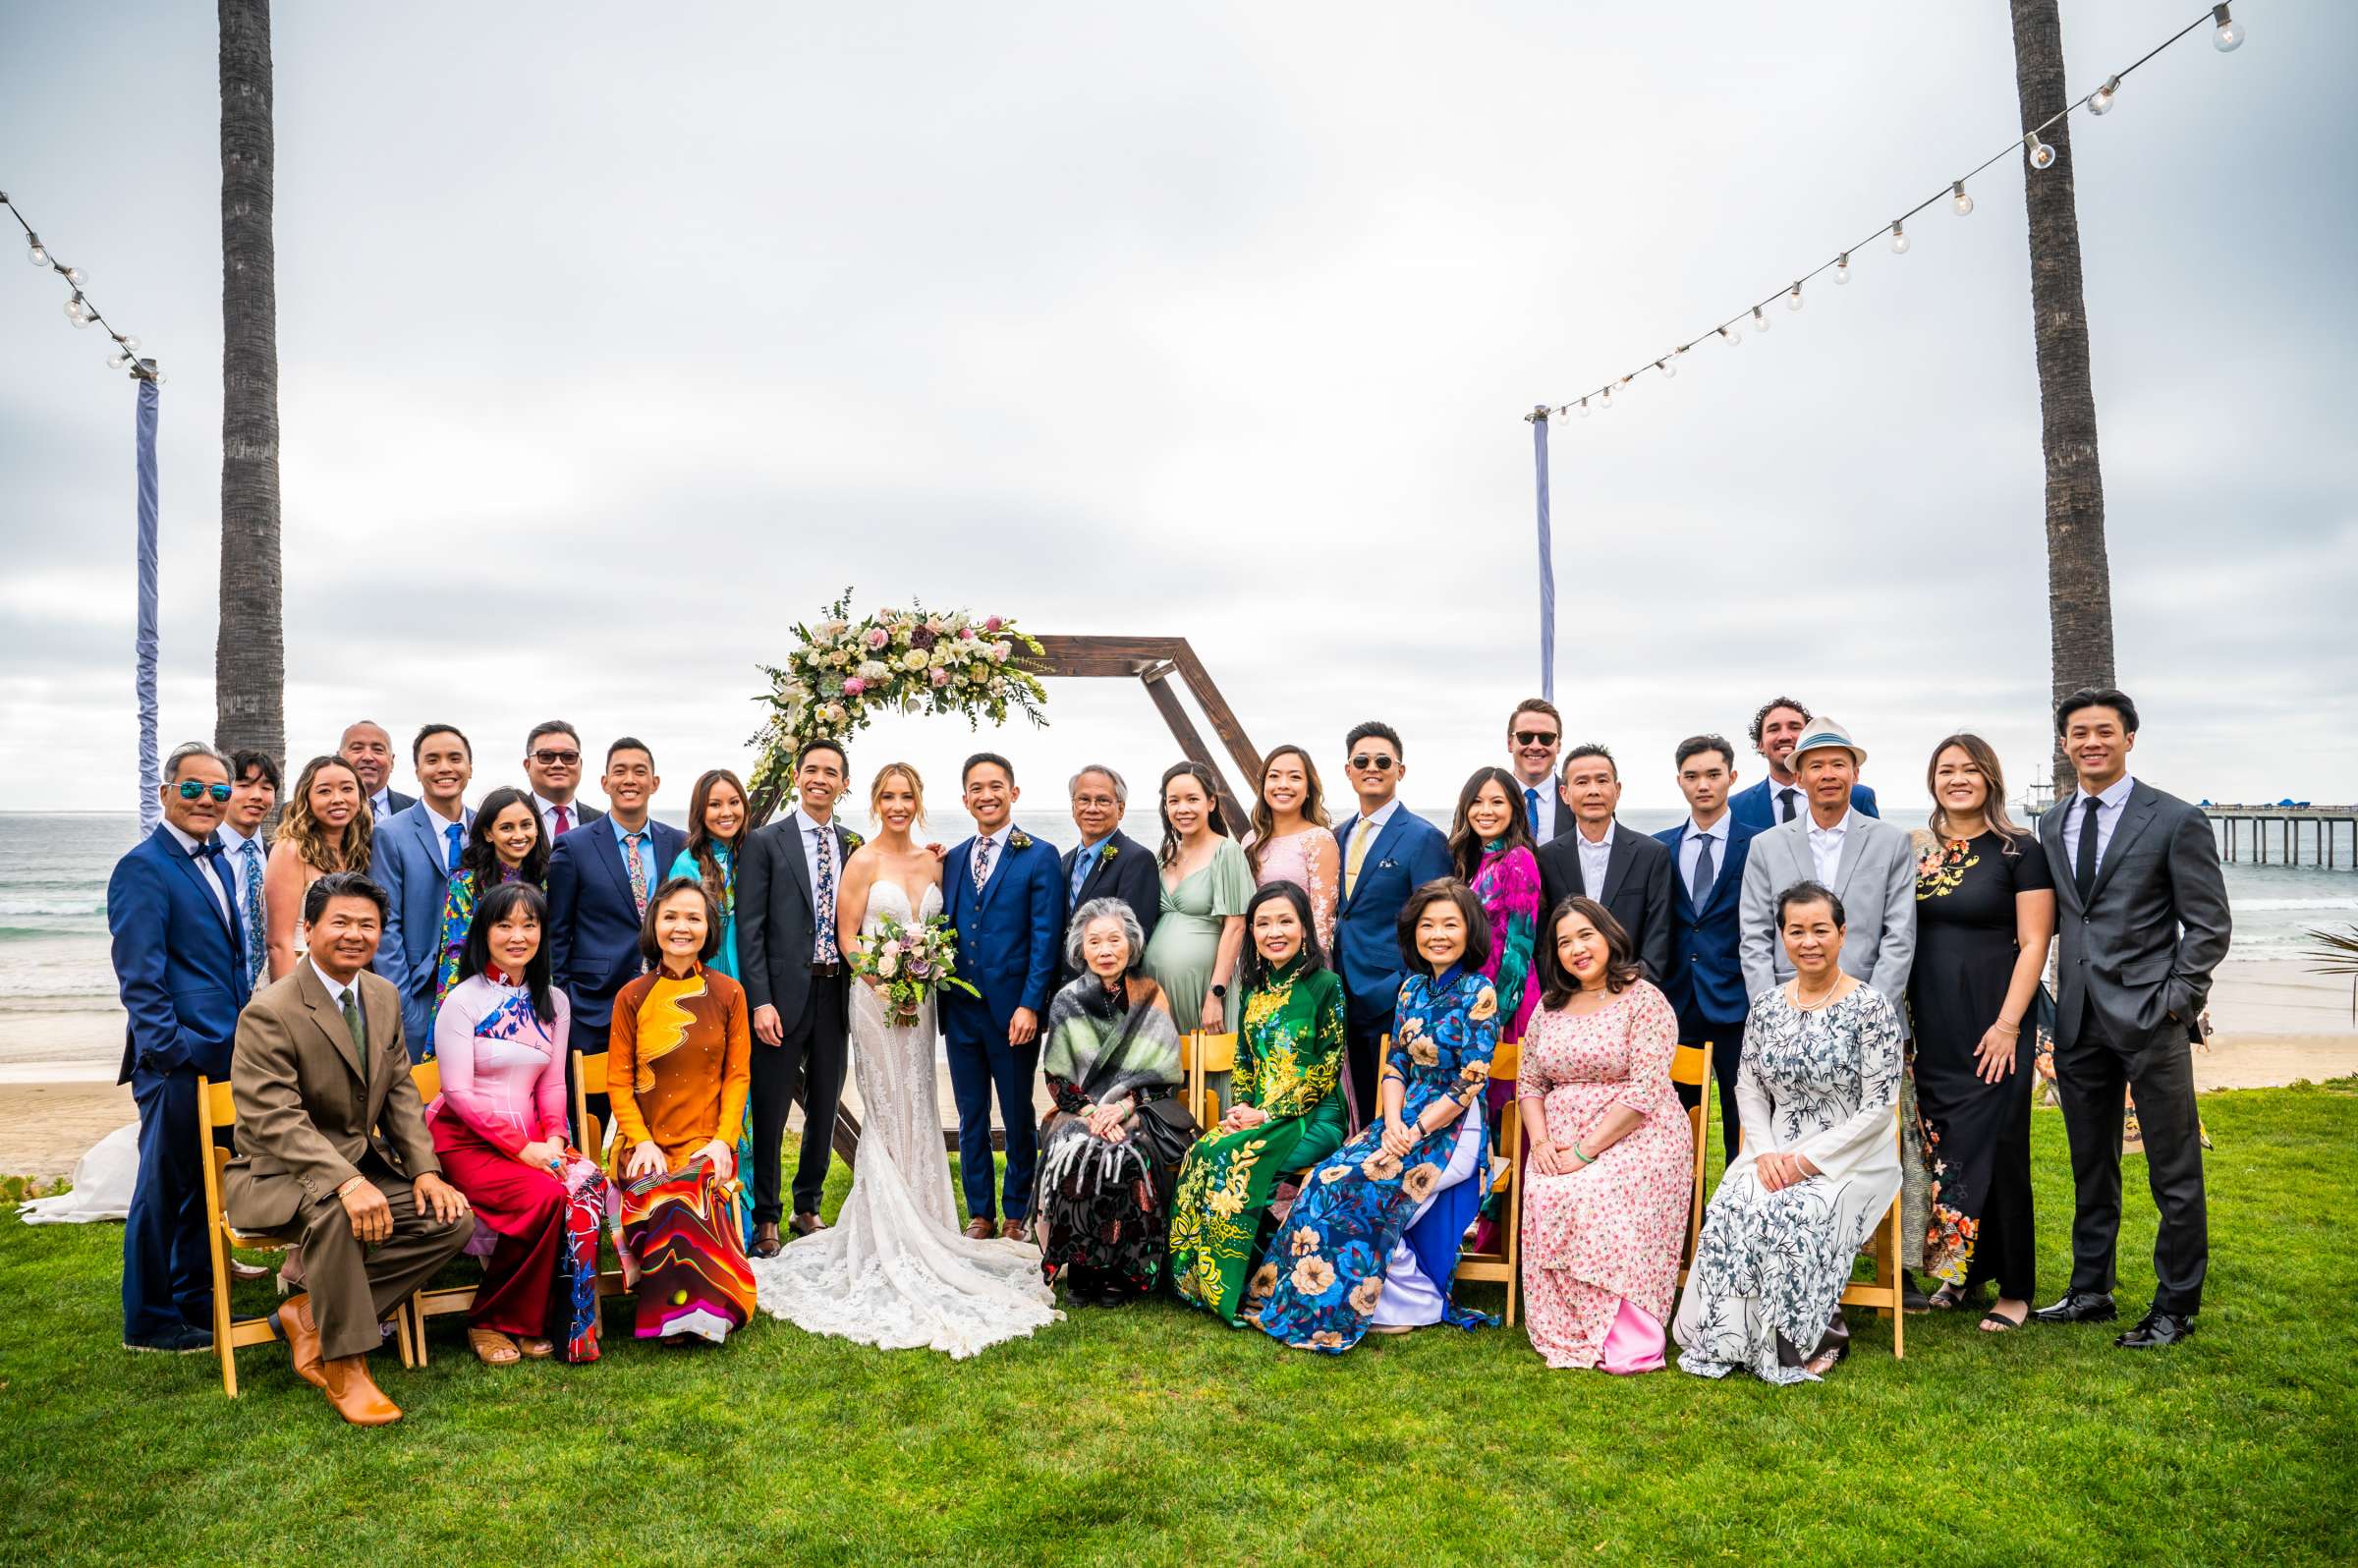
684,865
1186,943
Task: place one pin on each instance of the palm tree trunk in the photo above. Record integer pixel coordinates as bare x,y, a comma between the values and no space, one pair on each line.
2079,577
249,660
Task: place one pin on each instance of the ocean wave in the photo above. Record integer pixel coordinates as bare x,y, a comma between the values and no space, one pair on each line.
2264,905
55,908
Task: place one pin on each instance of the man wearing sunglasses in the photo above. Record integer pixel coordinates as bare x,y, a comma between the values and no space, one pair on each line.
172,915
552,763
1534,731
1388,853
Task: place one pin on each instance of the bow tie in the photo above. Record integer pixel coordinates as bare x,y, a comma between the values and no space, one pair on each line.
211,849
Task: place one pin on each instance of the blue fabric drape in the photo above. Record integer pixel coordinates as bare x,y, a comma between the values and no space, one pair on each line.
150,768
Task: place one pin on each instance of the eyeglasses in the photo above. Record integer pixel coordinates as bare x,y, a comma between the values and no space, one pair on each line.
1380,764
1535,736
191,790
548,759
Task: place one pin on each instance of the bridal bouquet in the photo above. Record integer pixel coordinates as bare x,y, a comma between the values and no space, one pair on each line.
910,963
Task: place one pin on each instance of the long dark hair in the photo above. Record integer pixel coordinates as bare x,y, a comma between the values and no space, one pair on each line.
1313,956
1556,986
1264,821
494,906
481,854
1465,846
723,887
1214,817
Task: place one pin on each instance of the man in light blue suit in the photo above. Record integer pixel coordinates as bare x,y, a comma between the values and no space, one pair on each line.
1781,796
1705,978
414,854
1388,853
1004,890
178,952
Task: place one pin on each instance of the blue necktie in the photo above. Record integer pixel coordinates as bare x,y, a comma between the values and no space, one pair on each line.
1531,804
456,837
250,911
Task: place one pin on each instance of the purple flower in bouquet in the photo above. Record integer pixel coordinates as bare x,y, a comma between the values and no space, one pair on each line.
924,637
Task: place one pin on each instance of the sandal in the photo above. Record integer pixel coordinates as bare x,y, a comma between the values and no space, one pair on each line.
494,1348
1825,1362
537,1349
1995,1322
1949,1296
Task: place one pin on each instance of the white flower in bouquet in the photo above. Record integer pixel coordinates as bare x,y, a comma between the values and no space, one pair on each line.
888,962
999,653
875,671
913,659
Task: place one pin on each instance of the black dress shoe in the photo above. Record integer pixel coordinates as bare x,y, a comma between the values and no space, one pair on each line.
181,1339
765,1240
2079,1307
2157,1330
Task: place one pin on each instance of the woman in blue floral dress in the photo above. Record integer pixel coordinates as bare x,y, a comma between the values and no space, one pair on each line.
1373,1241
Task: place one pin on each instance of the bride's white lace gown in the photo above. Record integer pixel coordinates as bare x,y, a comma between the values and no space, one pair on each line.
894,1271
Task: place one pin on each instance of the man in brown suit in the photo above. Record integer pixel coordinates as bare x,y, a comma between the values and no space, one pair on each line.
332,1142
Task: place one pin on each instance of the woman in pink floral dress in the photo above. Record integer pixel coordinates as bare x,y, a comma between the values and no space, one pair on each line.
1607,1185
1291,839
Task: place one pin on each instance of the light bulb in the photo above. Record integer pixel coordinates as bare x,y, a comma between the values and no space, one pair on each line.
2230,36
1584,407
1958,200
1899,239
1843,267
1759,322
1608,399
118,360
129,343
2101,101
78,312
2043,156
1734,336
1793,298
33,252
1669,365
73,276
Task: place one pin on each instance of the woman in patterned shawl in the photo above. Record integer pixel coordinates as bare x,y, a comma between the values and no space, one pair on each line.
1288,1111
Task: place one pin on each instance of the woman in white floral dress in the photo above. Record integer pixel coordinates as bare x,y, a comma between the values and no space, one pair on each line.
1818,1094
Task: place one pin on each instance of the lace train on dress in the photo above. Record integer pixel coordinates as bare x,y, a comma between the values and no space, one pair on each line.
894,1270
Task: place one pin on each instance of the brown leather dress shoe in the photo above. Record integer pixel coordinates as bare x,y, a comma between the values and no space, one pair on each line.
248,1273
1016,1231
293,1322
765,1239
806,1224
354,1395
980,1229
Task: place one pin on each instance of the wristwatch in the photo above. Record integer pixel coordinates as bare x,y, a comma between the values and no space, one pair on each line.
1220,992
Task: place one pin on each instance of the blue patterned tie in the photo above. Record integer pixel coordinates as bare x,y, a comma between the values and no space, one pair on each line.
249,870
456,837
1531,804
823,897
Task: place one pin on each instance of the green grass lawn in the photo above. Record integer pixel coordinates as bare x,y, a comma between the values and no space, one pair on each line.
1153,1434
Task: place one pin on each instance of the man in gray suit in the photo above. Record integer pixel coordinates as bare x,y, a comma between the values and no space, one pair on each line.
2142,910
1870,863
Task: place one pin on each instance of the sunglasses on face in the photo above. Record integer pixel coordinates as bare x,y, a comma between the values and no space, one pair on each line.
549,758
1382,765
190,790
1535,736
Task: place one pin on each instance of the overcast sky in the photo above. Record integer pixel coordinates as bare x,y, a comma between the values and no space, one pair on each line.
613,340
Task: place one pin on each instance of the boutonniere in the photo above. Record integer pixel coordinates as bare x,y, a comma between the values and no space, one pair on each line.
1019,839
1107,852
851,840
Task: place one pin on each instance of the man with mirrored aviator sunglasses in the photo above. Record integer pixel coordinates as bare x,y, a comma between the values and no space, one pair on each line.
173,919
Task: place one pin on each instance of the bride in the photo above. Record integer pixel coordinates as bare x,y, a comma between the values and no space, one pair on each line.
894,1270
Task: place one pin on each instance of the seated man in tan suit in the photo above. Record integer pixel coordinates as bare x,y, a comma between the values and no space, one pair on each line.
332,1143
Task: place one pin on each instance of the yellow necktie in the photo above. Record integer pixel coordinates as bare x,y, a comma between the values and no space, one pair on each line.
1360,838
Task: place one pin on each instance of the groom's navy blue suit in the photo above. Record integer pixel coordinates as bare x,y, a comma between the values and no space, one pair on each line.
1008,936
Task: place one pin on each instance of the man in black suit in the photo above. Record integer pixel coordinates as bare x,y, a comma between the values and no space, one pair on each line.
2142,910
1626,871
791,961
553,766
1108,862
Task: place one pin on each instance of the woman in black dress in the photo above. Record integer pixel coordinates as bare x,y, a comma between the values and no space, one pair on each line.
1985,911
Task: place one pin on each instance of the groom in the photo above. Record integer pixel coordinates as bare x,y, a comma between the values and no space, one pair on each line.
1004,890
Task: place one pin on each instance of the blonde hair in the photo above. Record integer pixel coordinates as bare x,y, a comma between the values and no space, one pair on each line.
299,828
884,775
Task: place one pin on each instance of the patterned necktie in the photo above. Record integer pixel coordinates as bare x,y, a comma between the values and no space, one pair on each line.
823,897
1360,838
2082,873
983,848
257,950
1531,804
454,838
638,868
1784,798
357,1027
1699,888
563,824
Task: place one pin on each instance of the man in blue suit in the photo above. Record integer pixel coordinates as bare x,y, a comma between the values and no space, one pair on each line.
172,913
1704,979
1780,797
1004,890
1388,853
414,854
601,877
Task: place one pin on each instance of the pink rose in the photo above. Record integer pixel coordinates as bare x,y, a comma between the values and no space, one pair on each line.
965,634
992,624
854,687
941,677
877,637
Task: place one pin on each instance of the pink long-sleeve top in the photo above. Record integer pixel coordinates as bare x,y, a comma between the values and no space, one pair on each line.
503,1070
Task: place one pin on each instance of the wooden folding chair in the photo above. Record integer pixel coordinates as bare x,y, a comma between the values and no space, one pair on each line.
216,1109
1504,1263
1885,1294
1692,1065
429,1301
1200,1056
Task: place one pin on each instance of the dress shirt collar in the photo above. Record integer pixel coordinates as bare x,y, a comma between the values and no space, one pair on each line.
335,991
1717,830
2113,793
465,818
1840,827
621,834
381,803
187,846
1380,817
234,843
1582,828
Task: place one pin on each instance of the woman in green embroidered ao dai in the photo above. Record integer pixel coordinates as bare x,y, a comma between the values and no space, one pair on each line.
1288,1111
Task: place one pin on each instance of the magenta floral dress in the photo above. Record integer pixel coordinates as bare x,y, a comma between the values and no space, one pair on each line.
1606,1238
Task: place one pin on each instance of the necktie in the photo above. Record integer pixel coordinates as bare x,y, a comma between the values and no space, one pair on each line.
823,897
358,1027
2083,870
1784,800
454,838
1360,838
1082,859
982,861
257,951
1531,804
638,868
1699,888
563,824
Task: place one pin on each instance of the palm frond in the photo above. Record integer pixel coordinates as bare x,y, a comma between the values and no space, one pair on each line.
2335,952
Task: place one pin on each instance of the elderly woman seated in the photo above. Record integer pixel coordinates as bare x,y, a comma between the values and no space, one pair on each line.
1112,1066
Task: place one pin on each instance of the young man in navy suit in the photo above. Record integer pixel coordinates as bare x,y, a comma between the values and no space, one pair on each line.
1781,796
601,877
412,856
1004,890
1388,853
1704,977
1108,862
171,915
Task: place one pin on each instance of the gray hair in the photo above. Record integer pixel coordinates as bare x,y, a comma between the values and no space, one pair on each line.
188,749
1121,788
1102,909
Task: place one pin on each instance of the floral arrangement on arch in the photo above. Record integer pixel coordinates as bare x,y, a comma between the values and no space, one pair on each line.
844,671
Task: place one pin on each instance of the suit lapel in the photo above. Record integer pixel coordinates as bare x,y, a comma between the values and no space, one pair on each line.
1376,850
998,871
1727,878
1617,857
609,849
798,867
195,871
1854,844
328,1019
2137,814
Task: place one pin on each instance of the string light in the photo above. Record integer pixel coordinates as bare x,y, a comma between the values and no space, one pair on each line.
2228,34
78,309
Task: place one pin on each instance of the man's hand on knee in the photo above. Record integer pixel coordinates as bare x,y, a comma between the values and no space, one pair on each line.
366,1207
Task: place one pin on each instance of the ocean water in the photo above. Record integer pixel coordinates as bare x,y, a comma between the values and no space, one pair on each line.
53,870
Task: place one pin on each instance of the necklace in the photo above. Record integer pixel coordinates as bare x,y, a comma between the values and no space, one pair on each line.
1811,1005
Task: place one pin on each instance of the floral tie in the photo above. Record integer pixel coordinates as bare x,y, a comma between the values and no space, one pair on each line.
827,952
982,861
638,868
250,913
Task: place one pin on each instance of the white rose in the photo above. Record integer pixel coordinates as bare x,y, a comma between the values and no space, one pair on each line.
913,659
888,964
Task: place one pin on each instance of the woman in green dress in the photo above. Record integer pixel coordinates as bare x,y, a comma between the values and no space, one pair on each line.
1206,882
1288,1111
